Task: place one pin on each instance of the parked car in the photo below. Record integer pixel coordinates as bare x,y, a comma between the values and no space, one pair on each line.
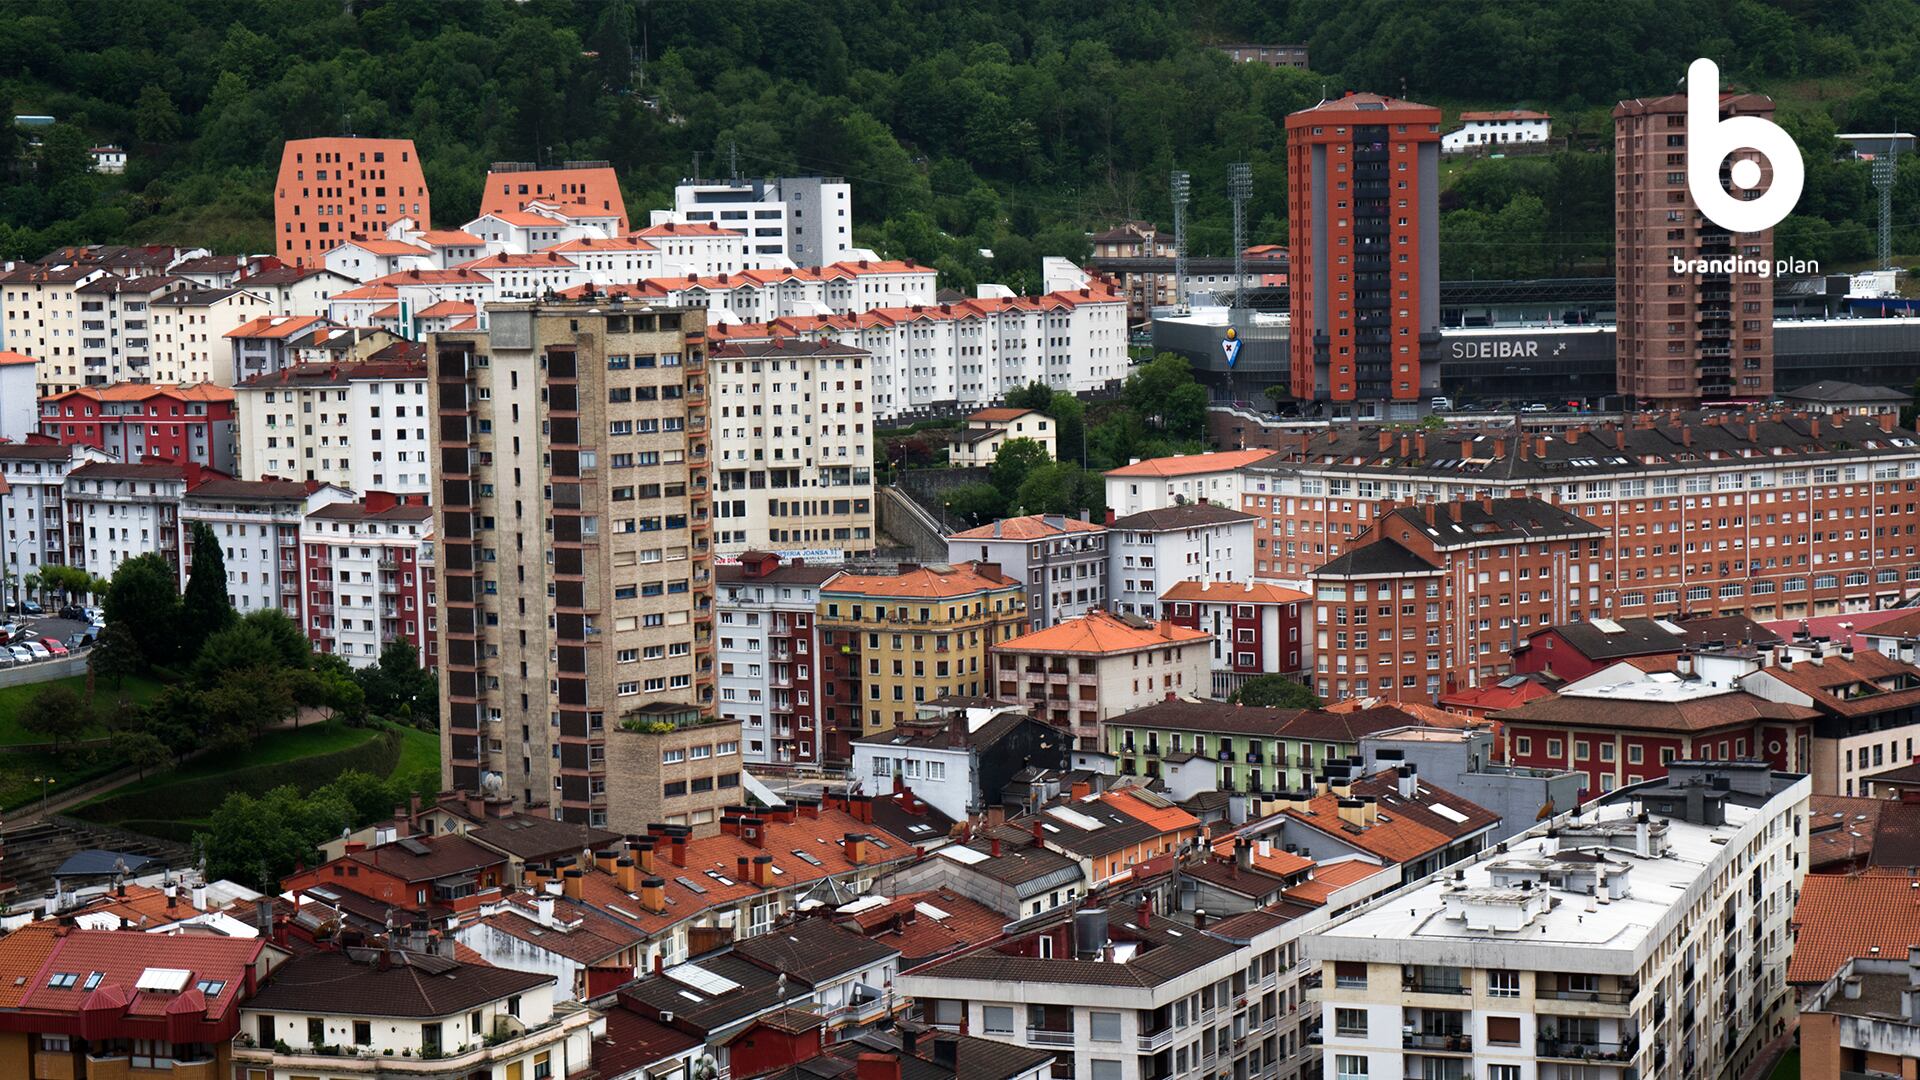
54,646
38,649
74,612
1535,407
21,654
31,607
82,640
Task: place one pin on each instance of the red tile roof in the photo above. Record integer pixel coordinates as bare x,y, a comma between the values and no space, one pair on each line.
8,357
1233,592
909,923
993,416
1841,916
274,326
921,583
121,956
1193,464
1506,114
1102,633
1030,527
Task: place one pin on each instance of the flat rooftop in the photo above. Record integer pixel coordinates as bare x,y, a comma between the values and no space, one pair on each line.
1612,936
1657,686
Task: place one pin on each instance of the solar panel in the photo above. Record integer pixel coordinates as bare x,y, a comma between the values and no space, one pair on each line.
411,846
691,886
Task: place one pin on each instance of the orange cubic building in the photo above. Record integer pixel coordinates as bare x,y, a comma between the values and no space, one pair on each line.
1363,186
338,189
578,188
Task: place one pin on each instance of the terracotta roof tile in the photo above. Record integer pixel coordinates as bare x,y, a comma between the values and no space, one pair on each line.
1192,464
921,583
1030,527
1101,633
1841,916
1233,592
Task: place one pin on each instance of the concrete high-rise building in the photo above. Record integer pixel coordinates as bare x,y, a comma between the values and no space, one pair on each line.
1363,191
575,540
804,220
337,189
1684,338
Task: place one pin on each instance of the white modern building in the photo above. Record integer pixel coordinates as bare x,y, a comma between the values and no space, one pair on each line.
795,474
364,260
1151,551
19,396
362,426
768,295
791,220
1644,936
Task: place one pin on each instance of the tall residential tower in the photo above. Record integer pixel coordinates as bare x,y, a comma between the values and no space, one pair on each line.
1363,188
1685,339
573,514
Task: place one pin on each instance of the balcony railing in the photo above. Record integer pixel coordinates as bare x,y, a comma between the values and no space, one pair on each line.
1461,1043
1421,986
1603,997
1049,1037
1583,1050
1156,1040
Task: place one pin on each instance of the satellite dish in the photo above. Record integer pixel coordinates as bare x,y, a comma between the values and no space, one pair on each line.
490,783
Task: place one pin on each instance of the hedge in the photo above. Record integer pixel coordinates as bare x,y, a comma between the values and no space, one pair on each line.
196,799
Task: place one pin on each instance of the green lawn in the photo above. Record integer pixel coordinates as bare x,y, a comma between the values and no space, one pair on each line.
15,699
419,752
273,748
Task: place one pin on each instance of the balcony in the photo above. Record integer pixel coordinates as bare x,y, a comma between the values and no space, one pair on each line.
475,1057
1583,1050
1449,1043
1049,1037
1422,986
1158,1040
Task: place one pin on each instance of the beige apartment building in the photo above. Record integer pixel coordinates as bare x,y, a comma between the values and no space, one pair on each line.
572,511
190,328
795,466
677,765
41,308
362,425
1689,338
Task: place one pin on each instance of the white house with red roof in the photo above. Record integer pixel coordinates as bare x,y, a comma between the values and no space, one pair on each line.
527,276
365,260
1157,483
611,260
1480,131
700,249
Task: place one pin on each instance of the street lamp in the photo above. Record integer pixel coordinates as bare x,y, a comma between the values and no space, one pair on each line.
44,781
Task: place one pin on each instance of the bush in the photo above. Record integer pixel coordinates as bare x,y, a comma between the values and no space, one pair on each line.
195,797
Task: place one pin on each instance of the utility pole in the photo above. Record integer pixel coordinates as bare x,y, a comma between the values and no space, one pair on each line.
1239,189
1181,187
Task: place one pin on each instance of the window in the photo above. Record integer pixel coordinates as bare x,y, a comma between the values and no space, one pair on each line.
1501,983
1106,1026
63,980
1503,1030
1106,1070
1503,1072
1350,1022
316,1031
1350,975
998,1019
1350,1067
1635,754
362,1033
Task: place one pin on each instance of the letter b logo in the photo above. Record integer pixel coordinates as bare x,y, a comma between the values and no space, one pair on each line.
1709,141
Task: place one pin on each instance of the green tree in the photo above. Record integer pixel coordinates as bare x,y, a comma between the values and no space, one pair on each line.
290,646
115,655
145,603
205,610
1011,464
397,687
1163,394
1275,692
143,750
155,120
240,647
975,504
57,713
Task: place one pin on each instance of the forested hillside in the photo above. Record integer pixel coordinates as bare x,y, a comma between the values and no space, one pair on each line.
966,126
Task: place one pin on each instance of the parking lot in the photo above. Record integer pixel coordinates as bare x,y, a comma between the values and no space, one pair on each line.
35,627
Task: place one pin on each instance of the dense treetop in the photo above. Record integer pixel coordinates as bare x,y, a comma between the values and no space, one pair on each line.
990,125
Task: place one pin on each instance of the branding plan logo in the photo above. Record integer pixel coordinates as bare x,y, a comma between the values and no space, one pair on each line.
1709,141
1230,346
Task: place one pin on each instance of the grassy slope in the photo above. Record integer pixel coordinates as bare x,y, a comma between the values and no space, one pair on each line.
419,752
15,699
273,748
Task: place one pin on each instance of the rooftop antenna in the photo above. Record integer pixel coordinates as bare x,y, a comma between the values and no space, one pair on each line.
1181,187
1239,189
1885,167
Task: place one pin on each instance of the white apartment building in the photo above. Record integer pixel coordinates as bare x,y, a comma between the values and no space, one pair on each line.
40,315
116,330
613,260
1157,483
359,1011
364,260
117,510
535,228
528,276
257,523
190,328
1063,560
798,220
685,250
793,446
1078,673
1121,994
445,247
19,395
35,502
1482,130
759,296
362,426
1644,936
365,569
1148,553
975,352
